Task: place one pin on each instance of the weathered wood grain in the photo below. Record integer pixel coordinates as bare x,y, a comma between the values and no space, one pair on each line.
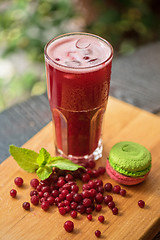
123,122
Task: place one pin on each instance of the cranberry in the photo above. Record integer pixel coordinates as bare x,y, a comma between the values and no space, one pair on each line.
116,189
122,192
93,192
101,219
40,194
46,194
98,182
67,208
89,171
108,187
89,210
111,205
66,203
18,181
69,197
81,208
61,197
98,207
13,193
101,170
62,211
108,198
99,198
89,217
92,184
87,202
64,192
55,193
85,194
26,205
100,189
45,189
141,203
34,183
39,187
44,182
95,173
43,199
45,205
60,183
73,214
74,188
61,204
35,200
85,187
97,233
69,226
115,211
74,205
33,193
68,177
67,186
91,164
77,197
85,177
51,200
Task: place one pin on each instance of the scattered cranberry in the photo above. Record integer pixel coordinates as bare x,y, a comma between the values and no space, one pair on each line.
89,210
92,184
35,200
93,192
67,208
33,193
98,207
13,193
55,193
101,170
89,216
39,187
98,182
62,210
81,208
45,205
100,189
61,204
43,199
69,226
108,198
108,187
40,194
69,197
99,198
141,203
60,182
74,205
85,194
116,189
26,205
74,188
46,194
91,164
115,211
87,202
77,197
69,177
95,173
18,181
45,189
73,214
85,177
51,200
34,183
97,233
101,219
111,205
122,192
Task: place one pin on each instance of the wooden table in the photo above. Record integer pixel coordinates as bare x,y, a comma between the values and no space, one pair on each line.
135,79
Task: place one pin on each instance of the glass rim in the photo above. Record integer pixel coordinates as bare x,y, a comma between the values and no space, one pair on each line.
78,33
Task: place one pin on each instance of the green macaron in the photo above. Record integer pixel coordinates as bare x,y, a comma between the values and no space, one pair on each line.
130,158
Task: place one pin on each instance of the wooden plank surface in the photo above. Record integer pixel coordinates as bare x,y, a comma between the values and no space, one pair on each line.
122,122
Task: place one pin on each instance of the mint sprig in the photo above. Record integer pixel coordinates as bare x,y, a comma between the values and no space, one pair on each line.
41,163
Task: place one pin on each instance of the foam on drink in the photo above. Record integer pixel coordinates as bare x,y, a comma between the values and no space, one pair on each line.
79,52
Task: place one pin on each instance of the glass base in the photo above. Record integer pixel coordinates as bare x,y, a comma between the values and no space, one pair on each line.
83,159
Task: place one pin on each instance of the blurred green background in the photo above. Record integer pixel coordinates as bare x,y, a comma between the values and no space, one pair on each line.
27,25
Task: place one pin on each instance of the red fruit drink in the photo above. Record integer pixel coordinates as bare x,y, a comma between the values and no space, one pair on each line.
78,68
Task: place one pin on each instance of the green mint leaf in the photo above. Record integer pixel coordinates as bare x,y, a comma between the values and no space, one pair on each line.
25,158
44,172
64,164
43,157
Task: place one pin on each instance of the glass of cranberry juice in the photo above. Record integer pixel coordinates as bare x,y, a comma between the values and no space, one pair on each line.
78,69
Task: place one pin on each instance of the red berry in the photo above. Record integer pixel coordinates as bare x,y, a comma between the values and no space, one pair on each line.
115,211
69,226
68,177
35,200
18,181
69,197
13,193
116,189
39,187
87,202
74,188
33,193
45,205
101,170
61,204
67,208
92,184
100,189
98,182
91,164
60,183
34,183
73,214
89,210
89,217
97,233
111,205
95,173
85,194
51,200
77,197
85,177
107,199
74,205
45,189
98,207
26,205
122,192
46,194
141,203
62,210
55,193
101,219
108,187
99,198
93,193
81,208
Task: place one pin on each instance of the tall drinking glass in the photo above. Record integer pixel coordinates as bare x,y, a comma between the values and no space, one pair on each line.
78,69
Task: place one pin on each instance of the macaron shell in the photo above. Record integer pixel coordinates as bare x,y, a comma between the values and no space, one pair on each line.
129,158
125,180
